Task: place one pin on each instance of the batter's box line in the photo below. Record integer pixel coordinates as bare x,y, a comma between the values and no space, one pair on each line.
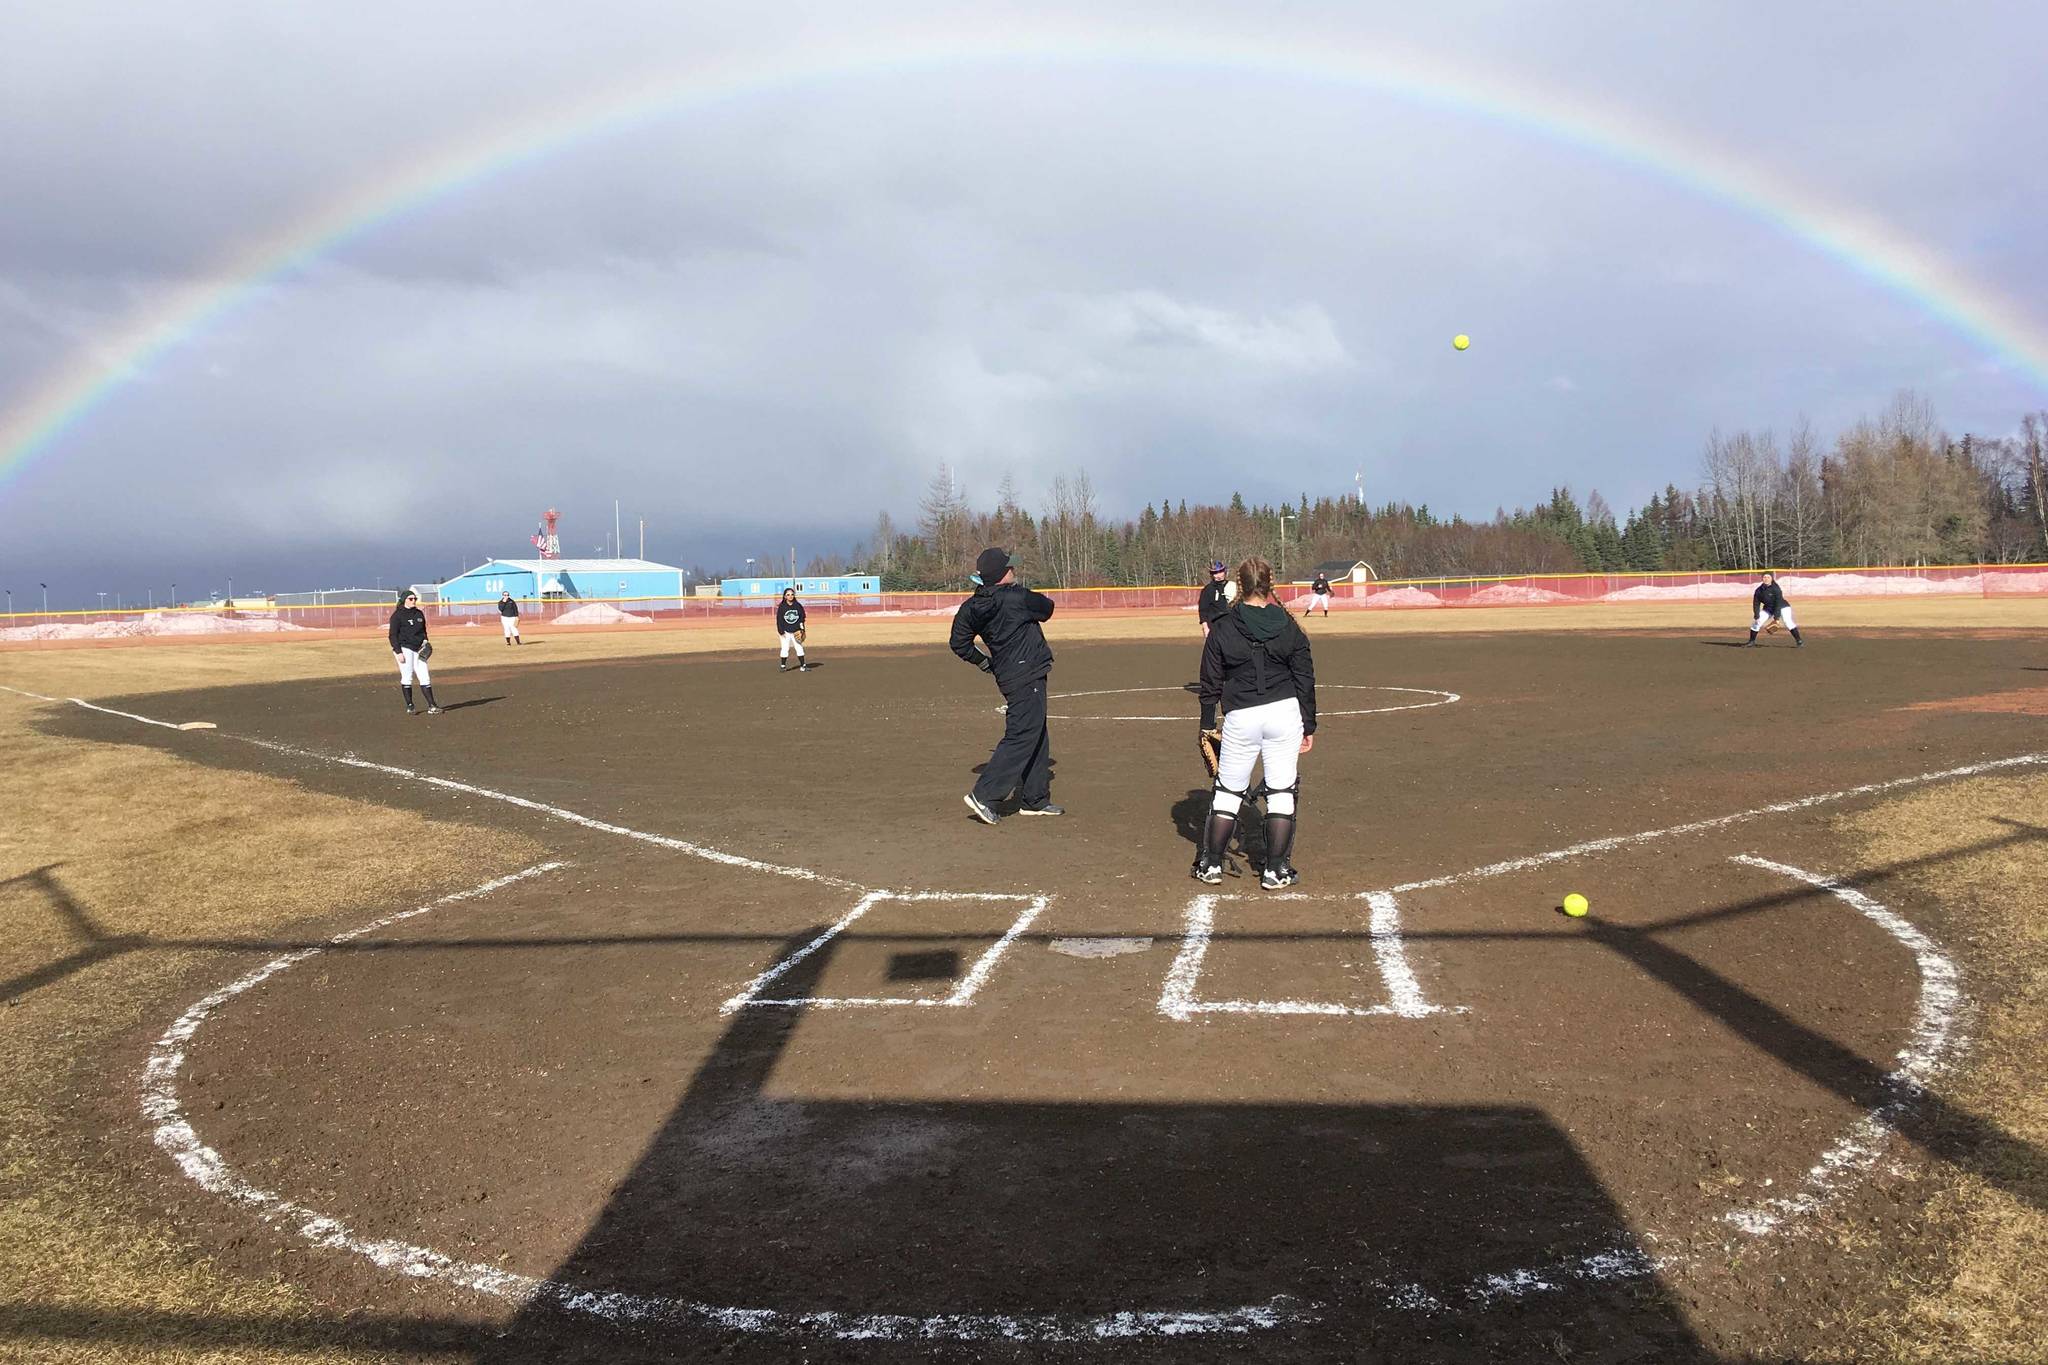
1405,999
962,995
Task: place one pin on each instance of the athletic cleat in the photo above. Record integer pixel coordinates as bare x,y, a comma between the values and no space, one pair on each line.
1208,872
981,810
409,711
433,710
1278,878
782,668
803,668
1047,809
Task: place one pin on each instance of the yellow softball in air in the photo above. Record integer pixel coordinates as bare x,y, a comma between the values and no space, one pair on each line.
1461,341
1575,905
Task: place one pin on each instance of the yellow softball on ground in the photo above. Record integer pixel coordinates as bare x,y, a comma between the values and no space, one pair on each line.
1461,341
1575,905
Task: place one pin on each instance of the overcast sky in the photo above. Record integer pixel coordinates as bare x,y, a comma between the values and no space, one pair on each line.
761,321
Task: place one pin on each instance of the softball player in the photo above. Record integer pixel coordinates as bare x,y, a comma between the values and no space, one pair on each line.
1256,667
1318,596
1216,596
508,617
1770,605
789,627
409,646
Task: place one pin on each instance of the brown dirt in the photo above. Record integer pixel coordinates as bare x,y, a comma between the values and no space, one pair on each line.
543,1081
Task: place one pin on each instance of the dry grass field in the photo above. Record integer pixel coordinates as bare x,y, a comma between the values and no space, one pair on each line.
132,878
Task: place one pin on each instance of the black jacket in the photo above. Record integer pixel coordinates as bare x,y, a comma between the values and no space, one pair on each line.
1007,617
1212,602
1238,669
507,607
1768,597
789,617
1321,585
408,628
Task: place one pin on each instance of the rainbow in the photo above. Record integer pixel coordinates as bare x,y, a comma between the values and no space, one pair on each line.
1871,249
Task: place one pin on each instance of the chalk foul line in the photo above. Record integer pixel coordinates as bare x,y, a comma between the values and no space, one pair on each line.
1501,869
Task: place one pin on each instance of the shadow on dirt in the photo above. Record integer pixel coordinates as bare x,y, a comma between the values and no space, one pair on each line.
890,1229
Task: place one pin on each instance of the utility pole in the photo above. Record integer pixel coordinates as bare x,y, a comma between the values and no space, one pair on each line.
1359,480
643,537
618,546
1283,545
46,597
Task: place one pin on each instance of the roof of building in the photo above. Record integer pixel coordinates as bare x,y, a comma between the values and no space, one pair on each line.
571,566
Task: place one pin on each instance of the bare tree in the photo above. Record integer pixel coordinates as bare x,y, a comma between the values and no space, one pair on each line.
1800,529
1068,534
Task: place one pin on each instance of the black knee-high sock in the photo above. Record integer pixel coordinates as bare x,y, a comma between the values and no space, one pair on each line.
407,689
1752,637
1216,834
1795,635
428,690
1279,838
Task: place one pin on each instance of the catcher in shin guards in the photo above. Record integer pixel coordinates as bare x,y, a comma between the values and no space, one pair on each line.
1257,669
1209,742
1773,612
789,628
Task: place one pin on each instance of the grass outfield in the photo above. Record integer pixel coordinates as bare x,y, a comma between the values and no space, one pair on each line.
122,867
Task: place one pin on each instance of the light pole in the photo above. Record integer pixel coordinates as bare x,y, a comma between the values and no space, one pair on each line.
174,592
1284,518
103,601
46,597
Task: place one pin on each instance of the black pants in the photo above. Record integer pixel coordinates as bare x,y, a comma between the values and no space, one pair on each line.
1022,762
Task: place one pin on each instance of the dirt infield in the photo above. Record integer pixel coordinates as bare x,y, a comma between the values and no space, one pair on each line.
782,1052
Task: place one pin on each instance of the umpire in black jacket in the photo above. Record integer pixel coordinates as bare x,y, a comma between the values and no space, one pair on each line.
1006,615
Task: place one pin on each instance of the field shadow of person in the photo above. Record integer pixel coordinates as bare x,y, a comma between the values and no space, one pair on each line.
761,1223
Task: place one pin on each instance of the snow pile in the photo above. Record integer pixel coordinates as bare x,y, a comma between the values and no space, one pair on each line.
1872,585
1683,592
599,614
2005,584
151,624
1403,597
1513,595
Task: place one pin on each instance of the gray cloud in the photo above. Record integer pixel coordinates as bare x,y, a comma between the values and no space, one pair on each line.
770,317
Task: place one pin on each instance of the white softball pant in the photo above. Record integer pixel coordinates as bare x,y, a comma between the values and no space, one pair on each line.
1317,599
511,624
411,667
1763,618
1271,732
790,642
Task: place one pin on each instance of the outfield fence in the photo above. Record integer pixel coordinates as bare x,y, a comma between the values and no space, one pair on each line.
1516,590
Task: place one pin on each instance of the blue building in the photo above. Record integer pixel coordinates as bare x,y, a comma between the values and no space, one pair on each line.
531,580
817,585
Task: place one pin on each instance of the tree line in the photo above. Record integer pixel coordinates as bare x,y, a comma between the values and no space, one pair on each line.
1890,490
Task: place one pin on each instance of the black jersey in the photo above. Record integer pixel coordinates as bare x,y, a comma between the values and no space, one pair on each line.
408,628
1214,601
789,617
1768,598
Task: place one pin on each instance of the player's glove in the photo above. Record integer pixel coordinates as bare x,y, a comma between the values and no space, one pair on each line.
426,649
1210,742
1774,627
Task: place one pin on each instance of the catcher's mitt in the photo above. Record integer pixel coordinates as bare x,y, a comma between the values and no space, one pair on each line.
426,649
1210,743
1774,627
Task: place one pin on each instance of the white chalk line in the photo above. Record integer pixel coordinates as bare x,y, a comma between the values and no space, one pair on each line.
1178,1001
1924,1055
960,997
1443,698
1718,822
176,1137
104,710
695,850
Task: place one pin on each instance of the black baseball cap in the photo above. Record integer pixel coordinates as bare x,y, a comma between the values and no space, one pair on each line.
992,564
